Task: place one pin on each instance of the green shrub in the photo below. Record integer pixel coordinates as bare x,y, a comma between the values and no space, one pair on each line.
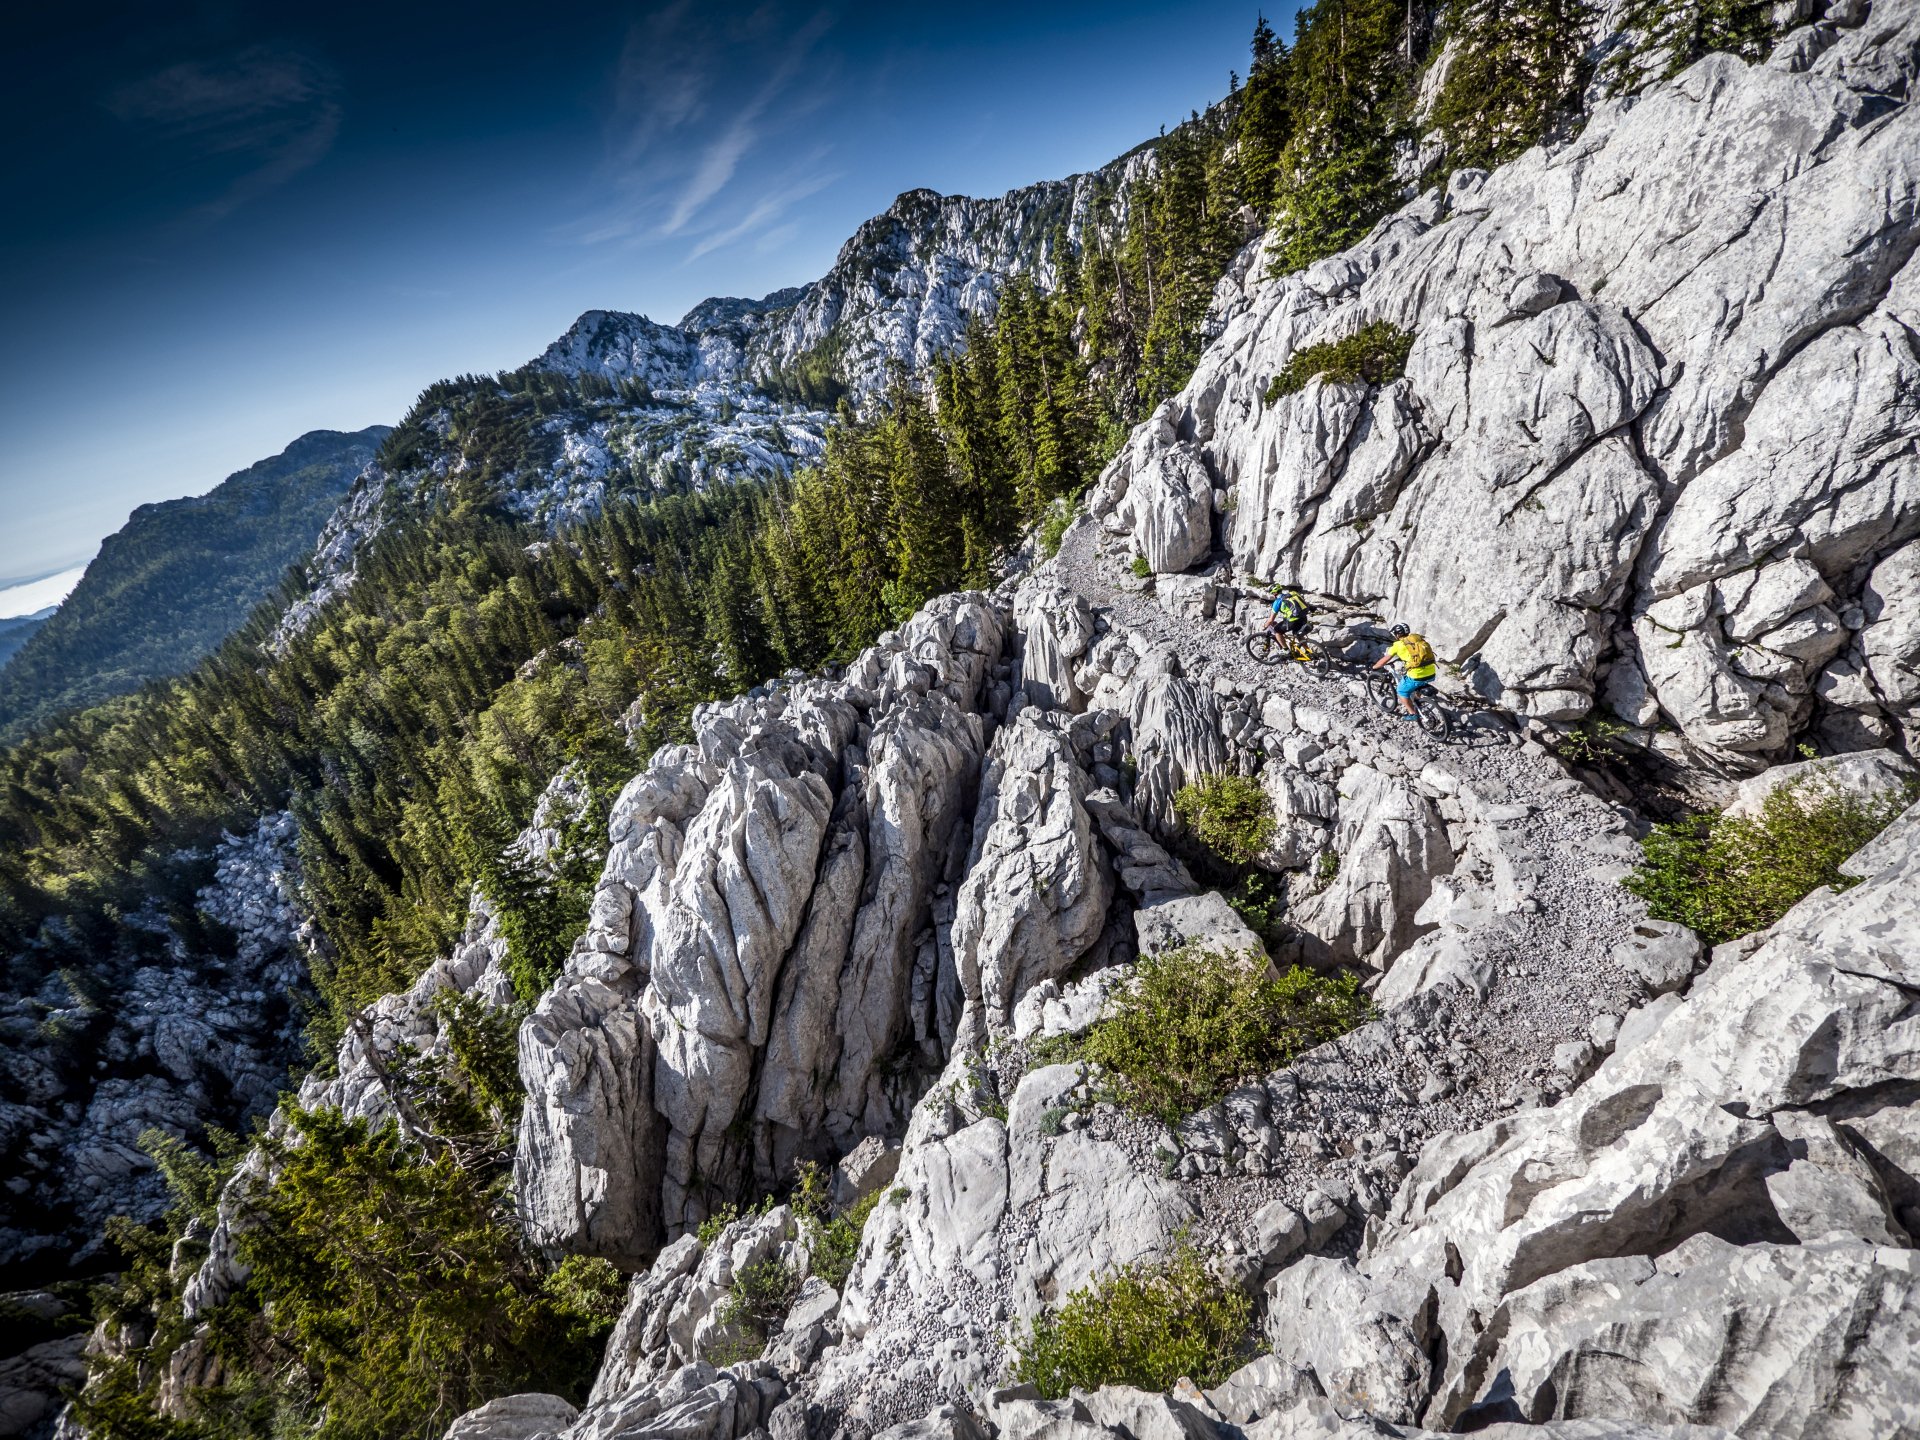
1148,1324
1726,876
1591,741
1375,353
1258,900
1327,867
397,1288
1196,1022
1229,814
1053,527
1141,569
837,1241
759,1300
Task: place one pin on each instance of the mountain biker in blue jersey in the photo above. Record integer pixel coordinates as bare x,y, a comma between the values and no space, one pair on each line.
1289,612
1416,655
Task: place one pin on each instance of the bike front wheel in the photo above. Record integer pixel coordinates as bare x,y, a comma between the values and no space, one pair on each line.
1262,648
1381,691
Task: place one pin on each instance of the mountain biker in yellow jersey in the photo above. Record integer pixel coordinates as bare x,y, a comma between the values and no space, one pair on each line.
1413,652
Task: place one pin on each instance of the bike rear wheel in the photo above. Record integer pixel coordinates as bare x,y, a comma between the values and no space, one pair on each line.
1433,716
1318,660
1262,648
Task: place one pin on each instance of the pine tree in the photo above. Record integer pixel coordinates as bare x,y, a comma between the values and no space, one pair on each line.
1347,79
1265,119
1666,36
1514,68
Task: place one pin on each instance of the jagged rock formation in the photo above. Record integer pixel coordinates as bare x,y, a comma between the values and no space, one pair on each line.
179,1041
759,974
899,295
1434,1240
1655,445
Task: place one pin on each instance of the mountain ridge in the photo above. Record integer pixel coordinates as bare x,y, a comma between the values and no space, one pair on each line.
179,577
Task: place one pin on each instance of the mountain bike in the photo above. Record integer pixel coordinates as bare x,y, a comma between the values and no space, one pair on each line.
1428,709
1271,647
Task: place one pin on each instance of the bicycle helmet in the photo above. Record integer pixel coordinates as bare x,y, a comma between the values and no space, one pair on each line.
1399,632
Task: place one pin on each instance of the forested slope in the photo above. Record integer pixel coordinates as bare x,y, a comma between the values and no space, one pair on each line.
179,577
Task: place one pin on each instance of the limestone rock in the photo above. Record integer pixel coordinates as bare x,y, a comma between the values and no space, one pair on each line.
1863,775
514,1417
1037,888
1392,846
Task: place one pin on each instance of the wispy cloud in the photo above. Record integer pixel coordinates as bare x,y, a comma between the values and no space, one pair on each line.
770,208
695,101
274,111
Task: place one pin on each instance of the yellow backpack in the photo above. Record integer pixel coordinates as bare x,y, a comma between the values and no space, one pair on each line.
1417,653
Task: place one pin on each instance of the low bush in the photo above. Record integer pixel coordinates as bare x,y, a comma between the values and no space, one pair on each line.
1141,569
1727,876
1375,353
1196,1022
837,1241
1229,814
1148,1324
1053,526
758,1302
1259,900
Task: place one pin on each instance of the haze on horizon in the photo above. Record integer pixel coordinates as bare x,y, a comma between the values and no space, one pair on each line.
232,225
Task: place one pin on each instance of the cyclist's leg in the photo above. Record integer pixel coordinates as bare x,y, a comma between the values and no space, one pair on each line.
1404,688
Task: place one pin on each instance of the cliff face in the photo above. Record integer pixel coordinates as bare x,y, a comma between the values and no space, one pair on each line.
1654,449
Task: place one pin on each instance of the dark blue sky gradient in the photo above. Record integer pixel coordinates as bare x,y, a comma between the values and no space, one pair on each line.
232,223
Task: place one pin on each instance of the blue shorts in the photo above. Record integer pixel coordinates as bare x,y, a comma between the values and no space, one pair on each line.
1406,686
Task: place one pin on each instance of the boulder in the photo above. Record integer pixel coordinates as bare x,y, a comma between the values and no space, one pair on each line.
1862,775
515,1417
1037,888
1392,846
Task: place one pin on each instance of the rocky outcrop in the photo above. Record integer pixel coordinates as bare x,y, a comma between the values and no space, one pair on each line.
1703,1232
181,1036
1655,444
766,947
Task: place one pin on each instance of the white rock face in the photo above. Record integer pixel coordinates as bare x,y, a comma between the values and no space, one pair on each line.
1685,1236
1867,775
1660,412
1392,845
1036,894
760,949
514,1417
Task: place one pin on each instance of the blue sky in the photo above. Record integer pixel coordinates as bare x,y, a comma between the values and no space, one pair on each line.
232,223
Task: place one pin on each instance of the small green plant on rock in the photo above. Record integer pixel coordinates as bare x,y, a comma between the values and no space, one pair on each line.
1141,569
836,1243
1054,525
1375,353
1195,1022
1147,1324
761,1296
1257,899
1591,741
1229,814
1727,876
